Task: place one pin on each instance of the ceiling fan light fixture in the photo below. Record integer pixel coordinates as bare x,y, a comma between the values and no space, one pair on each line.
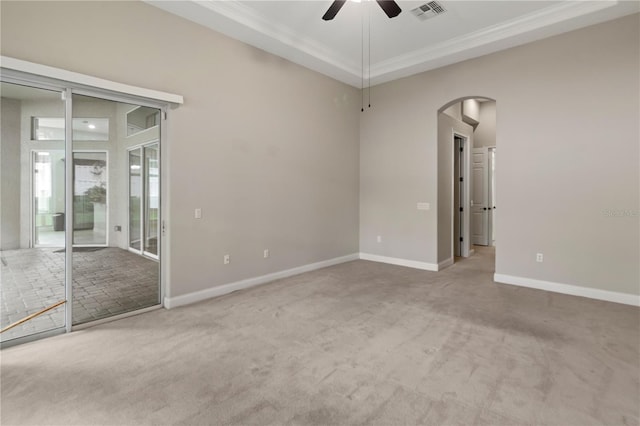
390,8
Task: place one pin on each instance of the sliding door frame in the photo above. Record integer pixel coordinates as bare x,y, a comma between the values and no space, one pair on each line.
68,88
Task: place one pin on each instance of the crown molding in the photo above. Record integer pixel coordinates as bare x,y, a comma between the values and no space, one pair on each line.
248,17
243,23
487,40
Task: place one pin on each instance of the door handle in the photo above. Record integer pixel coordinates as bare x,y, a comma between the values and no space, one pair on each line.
484,208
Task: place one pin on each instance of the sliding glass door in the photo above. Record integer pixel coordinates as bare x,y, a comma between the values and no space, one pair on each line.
80,206
115,186
32,212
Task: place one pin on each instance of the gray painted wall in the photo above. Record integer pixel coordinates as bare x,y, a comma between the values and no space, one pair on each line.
485,133
394,167
267,149
10,169
471,111
560,184
454,111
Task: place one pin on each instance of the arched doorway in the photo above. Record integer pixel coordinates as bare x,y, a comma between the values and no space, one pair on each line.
466,178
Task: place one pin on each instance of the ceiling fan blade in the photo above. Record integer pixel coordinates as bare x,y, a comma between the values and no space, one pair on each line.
390,7
333,10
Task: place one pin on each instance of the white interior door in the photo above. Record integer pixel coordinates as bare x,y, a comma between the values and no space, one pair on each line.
480,196
492,196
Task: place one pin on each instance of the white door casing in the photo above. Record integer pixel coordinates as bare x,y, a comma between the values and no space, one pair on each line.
460,200
492,196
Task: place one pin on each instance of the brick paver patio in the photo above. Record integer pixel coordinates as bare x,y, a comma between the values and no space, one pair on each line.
106,281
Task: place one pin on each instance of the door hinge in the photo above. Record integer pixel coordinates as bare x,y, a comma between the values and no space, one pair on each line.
163,227
164,115
461,149
461,209
461,239
461,179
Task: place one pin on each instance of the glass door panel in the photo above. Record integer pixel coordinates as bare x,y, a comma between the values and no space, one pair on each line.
152,199
48,198
32,208
111,276
115,207
135,198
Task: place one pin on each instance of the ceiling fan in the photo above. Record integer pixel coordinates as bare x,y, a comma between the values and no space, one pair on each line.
390,7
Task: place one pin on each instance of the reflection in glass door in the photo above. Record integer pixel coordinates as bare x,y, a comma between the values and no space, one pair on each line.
144,199
63,167
48,198
135,198
90,198
151,223
109,278
32,229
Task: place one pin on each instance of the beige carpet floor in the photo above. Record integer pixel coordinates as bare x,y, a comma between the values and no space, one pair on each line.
357,343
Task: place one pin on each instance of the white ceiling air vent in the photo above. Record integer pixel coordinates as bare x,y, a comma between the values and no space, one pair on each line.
428,10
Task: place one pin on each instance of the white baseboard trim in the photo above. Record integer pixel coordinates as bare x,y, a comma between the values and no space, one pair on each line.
197,296
400,262
445,264
574,290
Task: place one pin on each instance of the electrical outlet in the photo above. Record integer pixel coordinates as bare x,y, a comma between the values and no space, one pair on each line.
265,254
539,257
226,259
379,238
197,213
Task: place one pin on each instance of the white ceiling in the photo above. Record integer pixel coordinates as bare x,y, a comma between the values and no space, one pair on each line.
399,47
